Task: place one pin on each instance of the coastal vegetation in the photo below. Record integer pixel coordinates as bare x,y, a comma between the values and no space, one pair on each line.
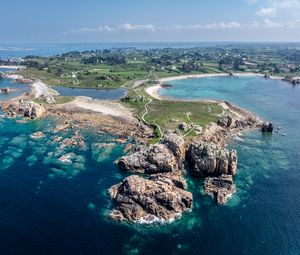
123,66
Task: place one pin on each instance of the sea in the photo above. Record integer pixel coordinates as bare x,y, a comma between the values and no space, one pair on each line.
53,207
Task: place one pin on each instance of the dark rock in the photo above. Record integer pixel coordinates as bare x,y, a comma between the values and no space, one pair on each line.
220,187
160,198
183,126
267,127
225,121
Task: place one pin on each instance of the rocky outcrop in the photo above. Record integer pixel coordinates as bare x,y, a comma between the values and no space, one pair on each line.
46,97
225,121
151,160
267,127
175,143
161,198
27,109
166,156
221,187
209,159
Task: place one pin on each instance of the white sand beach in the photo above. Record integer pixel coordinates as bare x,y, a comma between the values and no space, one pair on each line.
102,106
154,90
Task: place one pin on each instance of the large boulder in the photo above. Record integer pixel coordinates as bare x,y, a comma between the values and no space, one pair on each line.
175,143
221,187
209,159
161,198
151,160
267,127
225,121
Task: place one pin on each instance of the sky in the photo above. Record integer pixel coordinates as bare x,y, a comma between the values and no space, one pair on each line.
56,21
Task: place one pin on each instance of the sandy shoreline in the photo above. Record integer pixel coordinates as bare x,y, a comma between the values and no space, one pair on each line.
153,91
12,67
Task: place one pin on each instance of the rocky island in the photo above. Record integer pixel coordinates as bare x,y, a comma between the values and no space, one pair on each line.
157,190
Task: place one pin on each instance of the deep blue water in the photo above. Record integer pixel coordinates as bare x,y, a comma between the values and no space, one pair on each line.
48,207
106,94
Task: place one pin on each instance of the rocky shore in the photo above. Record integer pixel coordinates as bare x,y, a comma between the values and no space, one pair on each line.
204,157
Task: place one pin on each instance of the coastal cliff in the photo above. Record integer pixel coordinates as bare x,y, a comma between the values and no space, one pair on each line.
205,157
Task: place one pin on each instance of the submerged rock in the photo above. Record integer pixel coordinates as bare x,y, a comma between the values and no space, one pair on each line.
209,159
161,198
267,127
221,187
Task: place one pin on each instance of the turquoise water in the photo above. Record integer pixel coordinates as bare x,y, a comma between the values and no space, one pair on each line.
18,87
50,207
106,94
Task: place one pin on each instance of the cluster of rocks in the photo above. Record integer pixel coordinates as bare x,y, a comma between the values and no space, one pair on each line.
46,97
159,198
6,90
210,159
221,187
185,127
167,156
267,127
26,109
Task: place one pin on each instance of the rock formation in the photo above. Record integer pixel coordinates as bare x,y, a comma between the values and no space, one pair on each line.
27,109
175,143
153,159
209,159
166,156
267,127
161,198
225,121
220,187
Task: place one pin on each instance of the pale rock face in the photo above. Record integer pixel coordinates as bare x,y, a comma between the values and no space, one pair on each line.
209,159
153,159
175,143
167,156
161,198
27,109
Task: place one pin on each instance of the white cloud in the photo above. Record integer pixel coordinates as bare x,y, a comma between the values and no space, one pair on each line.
151,28
274,7
267,23
270,11
222,25
130,27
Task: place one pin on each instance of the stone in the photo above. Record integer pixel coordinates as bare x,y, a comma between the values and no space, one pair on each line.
175,143
159,198
27,109
151,160
183,126
225,121
221,188
206,159
267,127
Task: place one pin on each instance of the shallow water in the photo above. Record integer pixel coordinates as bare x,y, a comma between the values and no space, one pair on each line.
18,87
104,94
46,211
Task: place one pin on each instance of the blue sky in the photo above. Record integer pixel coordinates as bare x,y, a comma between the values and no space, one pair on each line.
155,20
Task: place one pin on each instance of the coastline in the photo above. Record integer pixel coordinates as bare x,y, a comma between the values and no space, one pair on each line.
153,91
12,67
